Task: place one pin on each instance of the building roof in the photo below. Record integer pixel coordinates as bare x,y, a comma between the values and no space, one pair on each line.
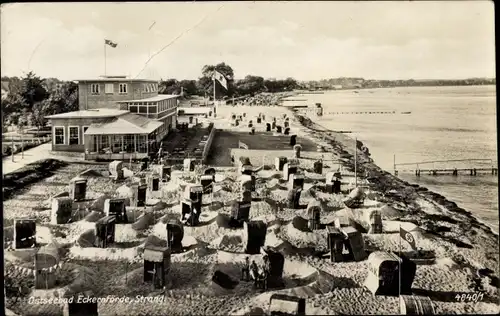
89,113
156,98
129,123
195,110
115,79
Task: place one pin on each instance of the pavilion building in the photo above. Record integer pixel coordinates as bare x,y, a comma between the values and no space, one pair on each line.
118,118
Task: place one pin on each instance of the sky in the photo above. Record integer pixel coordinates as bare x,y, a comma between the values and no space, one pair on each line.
304,40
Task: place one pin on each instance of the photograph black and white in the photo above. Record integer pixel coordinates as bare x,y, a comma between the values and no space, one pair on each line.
249,158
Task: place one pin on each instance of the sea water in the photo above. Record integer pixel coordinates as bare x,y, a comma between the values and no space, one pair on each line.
445,123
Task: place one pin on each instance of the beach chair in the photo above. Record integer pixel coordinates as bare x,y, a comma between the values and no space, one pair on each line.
175,233
105,231
78,188
24,233
354,243
416,305
383,273
280,162
116,169
314,214
281,304
335,241
297,149
62,210
156,265
254,236
116,208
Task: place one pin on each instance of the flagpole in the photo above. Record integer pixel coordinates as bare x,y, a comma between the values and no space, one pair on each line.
215,109
399,263
104,58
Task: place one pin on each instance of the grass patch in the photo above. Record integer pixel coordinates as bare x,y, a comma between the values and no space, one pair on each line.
16,181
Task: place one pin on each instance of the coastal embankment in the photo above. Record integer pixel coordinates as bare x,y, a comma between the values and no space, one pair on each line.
476,244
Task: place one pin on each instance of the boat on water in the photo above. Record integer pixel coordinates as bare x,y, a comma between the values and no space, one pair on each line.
409,112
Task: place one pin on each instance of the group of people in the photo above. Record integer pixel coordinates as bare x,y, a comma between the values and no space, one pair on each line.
258,273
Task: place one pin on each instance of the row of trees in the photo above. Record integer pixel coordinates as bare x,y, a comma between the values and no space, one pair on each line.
29,99
250,85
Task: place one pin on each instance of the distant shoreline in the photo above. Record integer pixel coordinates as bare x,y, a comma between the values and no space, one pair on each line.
308,123
299,91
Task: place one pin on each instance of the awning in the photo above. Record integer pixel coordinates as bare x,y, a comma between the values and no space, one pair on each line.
126,124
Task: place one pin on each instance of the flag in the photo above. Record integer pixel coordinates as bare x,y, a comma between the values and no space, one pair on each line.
220,77
408,237
242,145
110,43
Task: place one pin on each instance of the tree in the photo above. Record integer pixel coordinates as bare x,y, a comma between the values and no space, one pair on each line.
40,110
190,87
12,106
169,86
32,90
206,82
250,85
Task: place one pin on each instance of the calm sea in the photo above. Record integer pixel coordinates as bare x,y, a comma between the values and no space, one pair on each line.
445,123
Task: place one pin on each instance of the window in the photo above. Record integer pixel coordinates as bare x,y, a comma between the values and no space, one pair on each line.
142,143
144,87
108,88
104,143
133,109
94,88
152,109
128,143
74,135
59,135
143,109
84,129
123,88
116,141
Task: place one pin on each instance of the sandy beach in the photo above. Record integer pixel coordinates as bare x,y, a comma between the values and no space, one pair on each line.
455,251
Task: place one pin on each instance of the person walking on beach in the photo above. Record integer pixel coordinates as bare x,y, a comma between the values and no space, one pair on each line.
254,273
245,270
160,152
267,271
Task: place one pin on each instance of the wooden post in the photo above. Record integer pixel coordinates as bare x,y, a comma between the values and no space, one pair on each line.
22,143
12,147
394,163
356,162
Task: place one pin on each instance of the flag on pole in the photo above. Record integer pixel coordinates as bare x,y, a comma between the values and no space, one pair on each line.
220,77
110,43
408,237
242,145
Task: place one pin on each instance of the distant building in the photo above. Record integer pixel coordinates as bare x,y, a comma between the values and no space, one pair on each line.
104,92
119,118
190,115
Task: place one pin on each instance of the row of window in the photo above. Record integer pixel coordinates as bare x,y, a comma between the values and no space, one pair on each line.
113,144
73,135
152,107
109,88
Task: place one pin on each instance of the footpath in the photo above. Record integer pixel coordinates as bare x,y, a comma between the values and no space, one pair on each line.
31,155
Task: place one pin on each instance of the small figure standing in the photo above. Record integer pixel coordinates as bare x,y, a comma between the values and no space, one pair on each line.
160,153
254,272
245,270
267,271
